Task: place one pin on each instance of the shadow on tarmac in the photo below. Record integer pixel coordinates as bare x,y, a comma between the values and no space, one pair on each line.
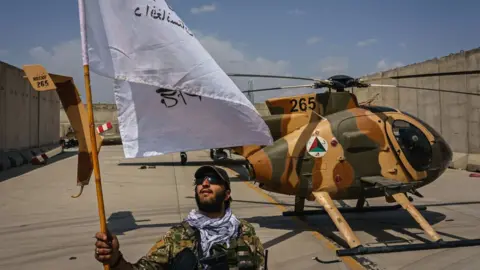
25,168
377,224
123,221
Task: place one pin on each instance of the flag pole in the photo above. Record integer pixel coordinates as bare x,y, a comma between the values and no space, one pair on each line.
96,165
91,122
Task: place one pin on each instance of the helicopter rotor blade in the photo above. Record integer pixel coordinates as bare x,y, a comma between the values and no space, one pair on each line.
452,73
280,87
423,88
270,76
381,85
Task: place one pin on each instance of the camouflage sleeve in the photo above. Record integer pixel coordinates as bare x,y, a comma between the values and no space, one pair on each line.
260,253
158,257
255,245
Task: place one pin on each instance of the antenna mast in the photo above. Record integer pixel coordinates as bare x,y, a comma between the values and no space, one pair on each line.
250,94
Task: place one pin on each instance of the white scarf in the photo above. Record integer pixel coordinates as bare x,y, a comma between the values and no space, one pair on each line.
214,230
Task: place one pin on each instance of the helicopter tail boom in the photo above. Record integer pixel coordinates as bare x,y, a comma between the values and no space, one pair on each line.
280,125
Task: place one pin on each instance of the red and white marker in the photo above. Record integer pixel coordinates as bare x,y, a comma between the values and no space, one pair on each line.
104,127
40,159
43,157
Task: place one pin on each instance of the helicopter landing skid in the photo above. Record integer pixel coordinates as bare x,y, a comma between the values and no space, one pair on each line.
356,248
349,210
361,250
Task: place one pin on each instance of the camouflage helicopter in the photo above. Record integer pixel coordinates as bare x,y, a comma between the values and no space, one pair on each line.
327,147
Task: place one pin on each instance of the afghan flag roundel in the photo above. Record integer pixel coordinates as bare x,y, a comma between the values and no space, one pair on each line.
317,146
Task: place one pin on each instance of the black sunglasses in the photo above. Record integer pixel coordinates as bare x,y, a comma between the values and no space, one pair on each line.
212,180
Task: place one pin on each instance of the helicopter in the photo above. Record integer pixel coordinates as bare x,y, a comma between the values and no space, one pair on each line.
327,146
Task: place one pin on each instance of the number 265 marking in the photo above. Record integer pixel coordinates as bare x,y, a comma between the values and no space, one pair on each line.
301,104
43,83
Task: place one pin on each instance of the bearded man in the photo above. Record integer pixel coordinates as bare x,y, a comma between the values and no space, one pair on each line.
209,238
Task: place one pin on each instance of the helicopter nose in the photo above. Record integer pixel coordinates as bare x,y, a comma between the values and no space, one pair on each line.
441,158
441,153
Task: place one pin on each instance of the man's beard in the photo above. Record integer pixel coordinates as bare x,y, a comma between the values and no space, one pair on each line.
213,206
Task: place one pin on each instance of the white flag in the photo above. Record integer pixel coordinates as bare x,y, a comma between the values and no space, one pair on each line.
171,95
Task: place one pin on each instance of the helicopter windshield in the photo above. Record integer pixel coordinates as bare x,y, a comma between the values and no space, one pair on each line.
414,144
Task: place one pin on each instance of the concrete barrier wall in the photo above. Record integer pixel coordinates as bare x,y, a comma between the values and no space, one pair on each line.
28,119
455,116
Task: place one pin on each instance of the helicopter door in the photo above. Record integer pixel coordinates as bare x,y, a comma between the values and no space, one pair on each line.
412,144
366,148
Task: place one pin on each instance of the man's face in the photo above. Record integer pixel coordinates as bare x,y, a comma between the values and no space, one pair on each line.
211,197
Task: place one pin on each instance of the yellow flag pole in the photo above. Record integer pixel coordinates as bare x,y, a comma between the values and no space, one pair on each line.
91,122
96,165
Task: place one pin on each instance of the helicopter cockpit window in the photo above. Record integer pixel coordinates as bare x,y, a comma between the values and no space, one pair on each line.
426,125
414,144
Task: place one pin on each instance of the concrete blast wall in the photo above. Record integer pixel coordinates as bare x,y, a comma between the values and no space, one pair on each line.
455,116
28,119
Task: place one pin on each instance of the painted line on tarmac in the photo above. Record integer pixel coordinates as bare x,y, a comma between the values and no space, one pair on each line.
349,261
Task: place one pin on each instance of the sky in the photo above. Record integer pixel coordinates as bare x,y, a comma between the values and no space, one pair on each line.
303,38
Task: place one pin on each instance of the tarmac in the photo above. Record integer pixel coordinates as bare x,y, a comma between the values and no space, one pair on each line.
42,227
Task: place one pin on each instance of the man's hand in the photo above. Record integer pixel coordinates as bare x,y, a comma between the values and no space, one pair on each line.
107,248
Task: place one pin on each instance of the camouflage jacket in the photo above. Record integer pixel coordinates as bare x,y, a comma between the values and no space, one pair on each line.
179,237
